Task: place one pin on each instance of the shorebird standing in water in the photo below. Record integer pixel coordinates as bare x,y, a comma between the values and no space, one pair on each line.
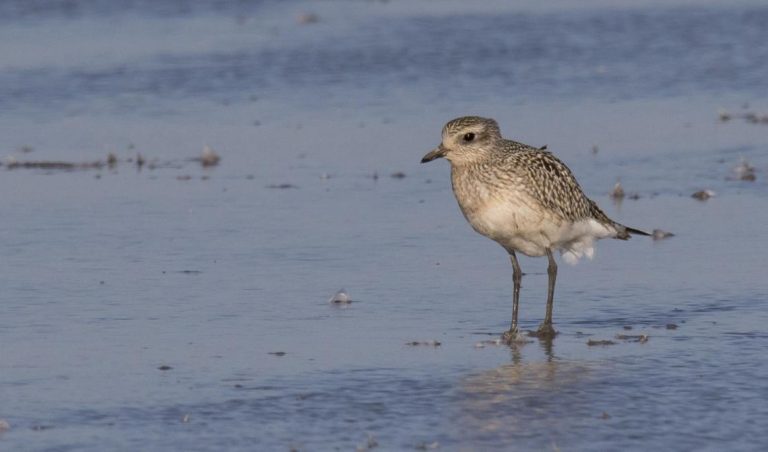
525,199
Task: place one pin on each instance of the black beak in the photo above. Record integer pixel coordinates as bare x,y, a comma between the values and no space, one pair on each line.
434,154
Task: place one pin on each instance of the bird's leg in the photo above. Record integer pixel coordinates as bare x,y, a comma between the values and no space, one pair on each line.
517,277
545,329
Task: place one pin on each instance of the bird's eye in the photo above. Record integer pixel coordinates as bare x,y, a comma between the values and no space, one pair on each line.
469,137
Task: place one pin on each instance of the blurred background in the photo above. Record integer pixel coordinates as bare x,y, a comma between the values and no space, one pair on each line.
186,184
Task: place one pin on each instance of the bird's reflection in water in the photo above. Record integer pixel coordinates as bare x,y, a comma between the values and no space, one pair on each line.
524,398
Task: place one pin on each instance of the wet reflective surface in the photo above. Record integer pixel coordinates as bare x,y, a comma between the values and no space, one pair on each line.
181,307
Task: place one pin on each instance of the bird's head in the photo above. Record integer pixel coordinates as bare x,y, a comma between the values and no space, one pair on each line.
466,139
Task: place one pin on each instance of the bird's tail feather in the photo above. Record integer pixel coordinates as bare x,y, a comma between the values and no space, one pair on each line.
636,231
623,232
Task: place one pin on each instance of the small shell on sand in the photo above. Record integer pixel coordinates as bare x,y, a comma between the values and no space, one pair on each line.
209,157
307,18
618,191
724,116
659,234
340,297
744,171
703,195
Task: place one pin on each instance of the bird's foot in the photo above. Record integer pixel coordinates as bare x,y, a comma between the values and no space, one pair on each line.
513,337
545,331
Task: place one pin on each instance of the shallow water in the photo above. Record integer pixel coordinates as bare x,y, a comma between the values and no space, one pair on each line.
110,274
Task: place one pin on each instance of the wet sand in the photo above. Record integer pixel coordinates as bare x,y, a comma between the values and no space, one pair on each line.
177,306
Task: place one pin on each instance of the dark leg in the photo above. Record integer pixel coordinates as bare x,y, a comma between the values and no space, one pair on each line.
517,277
545,329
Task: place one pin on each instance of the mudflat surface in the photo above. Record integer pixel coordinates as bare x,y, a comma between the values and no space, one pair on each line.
176,307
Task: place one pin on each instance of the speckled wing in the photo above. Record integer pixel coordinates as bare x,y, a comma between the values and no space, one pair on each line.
551,183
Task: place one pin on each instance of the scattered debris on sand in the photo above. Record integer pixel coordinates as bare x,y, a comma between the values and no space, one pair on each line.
641,338
750,117
755,118
703,195
600,342
12,163
209,158
423,344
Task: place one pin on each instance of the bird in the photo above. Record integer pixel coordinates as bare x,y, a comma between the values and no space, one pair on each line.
525,199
